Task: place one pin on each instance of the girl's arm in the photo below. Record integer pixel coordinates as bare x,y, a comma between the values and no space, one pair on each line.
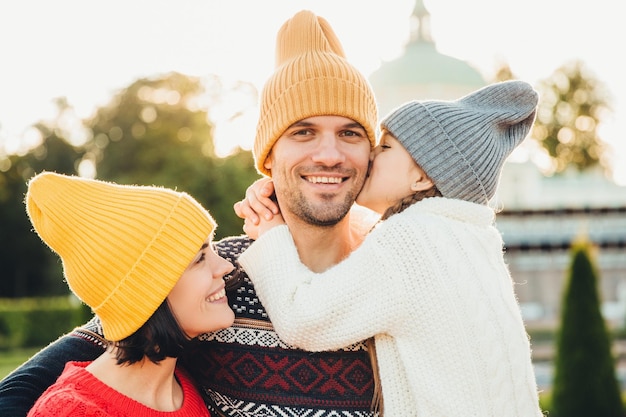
354,300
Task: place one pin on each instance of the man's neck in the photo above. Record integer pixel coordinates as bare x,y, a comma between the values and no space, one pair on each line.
322,247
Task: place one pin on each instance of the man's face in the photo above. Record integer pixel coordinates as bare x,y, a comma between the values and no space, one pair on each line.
318,167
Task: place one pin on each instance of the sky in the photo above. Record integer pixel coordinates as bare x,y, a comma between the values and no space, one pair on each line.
86,51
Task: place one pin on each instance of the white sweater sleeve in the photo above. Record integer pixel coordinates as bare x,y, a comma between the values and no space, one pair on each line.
347,303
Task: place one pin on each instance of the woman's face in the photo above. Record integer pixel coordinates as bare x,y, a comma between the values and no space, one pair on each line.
392,174
198,300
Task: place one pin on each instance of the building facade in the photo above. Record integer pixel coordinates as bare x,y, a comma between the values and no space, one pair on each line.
541,217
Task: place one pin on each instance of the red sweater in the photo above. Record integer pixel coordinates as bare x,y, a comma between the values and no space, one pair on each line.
77,393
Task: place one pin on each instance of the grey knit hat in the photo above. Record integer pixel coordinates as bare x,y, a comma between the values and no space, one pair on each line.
462,144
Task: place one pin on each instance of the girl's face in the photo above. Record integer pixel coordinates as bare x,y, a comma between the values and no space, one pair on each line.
198,300
393,175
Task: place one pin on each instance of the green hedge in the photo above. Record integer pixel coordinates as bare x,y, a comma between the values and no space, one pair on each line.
32,322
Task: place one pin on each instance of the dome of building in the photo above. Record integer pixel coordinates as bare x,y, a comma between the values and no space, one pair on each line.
422,72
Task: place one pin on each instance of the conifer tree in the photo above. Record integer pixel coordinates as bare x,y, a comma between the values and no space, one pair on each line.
584,383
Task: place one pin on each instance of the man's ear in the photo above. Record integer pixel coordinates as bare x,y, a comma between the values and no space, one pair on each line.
267,164
422,183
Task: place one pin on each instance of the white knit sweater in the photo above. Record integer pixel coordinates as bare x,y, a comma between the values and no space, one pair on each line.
431,284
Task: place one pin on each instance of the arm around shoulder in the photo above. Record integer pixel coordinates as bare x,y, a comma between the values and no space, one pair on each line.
346,303
22,387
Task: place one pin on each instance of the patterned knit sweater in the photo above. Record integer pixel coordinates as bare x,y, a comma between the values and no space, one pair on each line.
77,393
432,285
245,370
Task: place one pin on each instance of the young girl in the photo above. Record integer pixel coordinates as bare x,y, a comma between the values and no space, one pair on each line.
429,282
142,259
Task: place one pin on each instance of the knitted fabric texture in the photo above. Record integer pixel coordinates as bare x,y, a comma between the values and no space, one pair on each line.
462,144
78,393
312,78
123,247
270,378
431,284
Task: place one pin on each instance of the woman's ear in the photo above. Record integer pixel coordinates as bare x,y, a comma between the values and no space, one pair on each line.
422,183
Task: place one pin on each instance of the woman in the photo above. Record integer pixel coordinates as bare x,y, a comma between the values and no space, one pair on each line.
142,258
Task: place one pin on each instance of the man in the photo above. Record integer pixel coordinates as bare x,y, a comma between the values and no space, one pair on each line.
314,135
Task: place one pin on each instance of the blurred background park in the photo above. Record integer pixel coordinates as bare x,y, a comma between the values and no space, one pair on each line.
165,93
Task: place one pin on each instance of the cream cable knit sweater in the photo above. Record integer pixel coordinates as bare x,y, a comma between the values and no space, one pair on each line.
432,285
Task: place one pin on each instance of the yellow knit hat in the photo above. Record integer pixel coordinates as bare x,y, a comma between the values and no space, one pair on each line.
123,247
312,78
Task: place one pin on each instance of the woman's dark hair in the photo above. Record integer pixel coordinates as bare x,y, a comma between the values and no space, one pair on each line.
159,337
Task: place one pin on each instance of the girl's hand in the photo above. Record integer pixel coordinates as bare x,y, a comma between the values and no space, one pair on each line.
256,230
257,202
259,211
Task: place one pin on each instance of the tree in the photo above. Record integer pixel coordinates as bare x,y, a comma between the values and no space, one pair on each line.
156,132
29,267
584,382
572,105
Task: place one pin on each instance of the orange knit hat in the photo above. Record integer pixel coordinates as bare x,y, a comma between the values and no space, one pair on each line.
312,78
